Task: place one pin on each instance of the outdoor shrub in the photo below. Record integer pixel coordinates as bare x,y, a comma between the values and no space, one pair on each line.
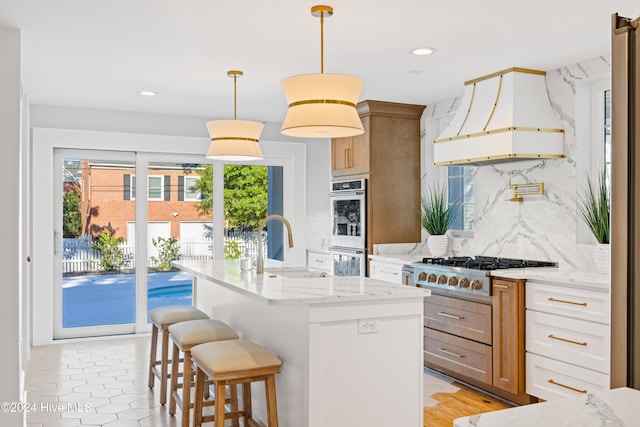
109,247
232,249
168,249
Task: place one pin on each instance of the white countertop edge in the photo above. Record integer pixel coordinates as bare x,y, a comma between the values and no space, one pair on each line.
578,279
381,290
400,259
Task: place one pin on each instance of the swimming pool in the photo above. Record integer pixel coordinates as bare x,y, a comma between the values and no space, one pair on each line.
111,300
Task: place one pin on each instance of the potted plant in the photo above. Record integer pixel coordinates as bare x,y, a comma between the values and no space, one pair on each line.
594,208
435,217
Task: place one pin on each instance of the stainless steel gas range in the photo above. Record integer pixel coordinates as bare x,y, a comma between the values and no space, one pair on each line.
466,275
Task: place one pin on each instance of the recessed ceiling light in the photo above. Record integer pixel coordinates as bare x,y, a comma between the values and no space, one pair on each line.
147,93
421,51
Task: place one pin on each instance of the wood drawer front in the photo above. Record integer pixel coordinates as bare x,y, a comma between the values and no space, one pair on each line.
581,304
459,317
574,341
457,354
385,271
319,261
551,379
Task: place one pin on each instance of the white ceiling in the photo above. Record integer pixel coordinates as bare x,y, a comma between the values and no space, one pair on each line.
100,53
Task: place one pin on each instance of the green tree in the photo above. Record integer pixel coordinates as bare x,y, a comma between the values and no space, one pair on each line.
71,214
245,194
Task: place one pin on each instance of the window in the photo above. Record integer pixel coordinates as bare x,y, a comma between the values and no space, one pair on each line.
190,193
156,187
460,180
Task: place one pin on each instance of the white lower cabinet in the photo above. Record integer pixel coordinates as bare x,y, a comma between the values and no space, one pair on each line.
567,341
389,272
319,261
550,379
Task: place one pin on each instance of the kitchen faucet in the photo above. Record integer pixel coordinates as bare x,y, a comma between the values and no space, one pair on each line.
260,267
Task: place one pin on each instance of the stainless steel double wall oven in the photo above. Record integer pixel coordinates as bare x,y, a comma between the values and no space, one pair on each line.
348,208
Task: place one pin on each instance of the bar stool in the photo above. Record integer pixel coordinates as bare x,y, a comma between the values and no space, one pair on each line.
184,336
161,319
234,362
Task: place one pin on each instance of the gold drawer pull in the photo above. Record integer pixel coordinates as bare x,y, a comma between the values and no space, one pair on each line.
495,285
452,316
566,340
450,353
567,386
584,304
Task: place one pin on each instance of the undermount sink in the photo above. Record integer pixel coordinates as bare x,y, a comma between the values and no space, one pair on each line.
294,272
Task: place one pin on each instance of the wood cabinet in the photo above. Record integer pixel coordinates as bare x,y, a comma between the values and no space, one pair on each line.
508,335
480,341
388,156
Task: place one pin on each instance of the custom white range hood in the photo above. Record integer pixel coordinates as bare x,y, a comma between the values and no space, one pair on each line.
504,116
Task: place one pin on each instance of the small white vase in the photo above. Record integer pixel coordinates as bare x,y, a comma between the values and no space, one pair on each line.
602,257
438,245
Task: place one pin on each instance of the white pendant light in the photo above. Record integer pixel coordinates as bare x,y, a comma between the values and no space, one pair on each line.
322,105
234,139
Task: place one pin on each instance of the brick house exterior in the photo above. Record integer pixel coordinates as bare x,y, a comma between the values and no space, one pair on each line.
108,197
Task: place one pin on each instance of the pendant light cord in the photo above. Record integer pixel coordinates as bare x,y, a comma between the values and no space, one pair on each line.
235,78
322,42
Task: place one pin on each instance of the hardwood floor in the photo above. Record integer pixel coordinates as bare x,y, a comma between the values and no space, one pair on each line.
446,400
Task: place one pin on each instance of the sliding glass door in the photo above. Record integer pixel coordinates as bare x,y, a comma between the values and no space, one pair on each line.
108,271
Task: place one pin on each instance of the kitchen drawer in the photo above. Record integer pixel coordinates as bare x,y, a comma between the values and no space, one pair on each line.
319,261
455,316
550,379
581,304
574,341
385,271
457,354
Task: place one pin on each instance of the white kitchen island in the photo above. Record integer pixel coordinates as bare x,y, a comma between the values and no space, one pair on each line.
351,346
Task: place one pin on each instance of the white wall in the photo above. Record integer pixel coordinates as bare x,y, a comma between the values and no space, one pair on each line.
318,179
545,227
11,369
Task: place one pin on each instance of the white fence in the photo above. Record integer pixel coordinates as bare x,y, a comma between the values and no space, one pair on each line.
79,256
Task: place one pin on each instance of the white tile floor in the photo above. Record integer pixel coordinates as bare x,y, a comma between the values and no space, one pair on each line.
98,382
103,382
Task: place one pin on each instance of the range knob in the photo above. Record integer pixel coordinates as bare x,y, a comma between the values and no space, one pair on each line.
422,276
431,278
442,279
476,285
453,281
464,283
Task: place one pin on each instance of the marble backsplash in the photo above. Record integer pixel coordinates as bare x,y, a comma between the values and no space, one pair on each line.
544,226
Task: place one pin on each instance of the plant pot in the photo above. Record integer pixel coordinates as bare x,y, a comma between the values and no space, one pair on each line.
438,245
602,257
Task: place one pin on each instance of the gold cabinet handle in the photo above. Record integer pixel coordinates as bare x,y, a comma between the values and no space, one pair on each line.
452,316
583,304
495,285
451,353
553,337
551,381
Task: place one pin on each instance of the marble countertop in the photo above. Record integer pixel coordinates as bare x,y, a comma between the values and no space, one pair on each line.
615,408
277,289
559,276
